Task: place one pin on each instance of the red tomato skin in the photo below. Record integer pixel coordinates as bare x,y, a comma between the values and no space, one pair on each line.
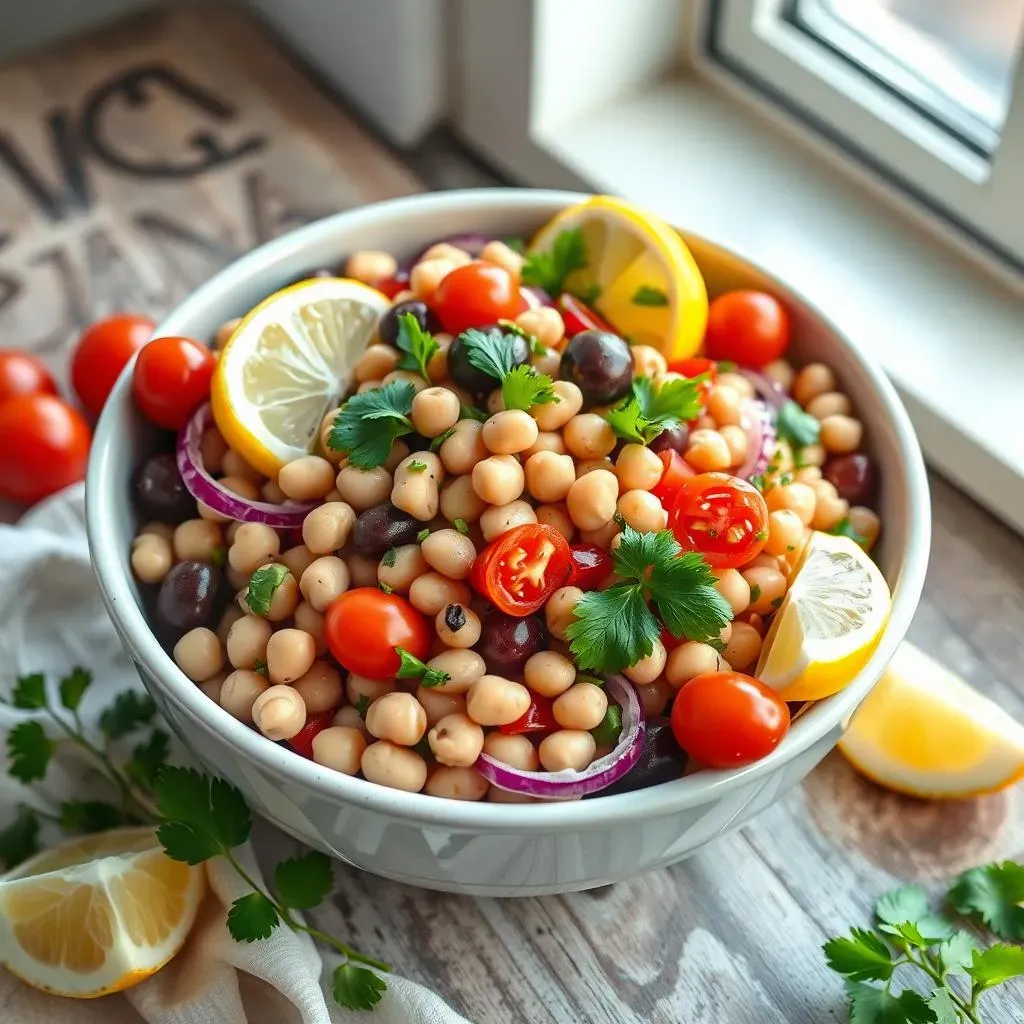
670,642
102,352
492,578
171,379
750,328
591,566
475,294
302,741
391,286
22,373
44,447
364,626
677,471
728,719
578,316
538,717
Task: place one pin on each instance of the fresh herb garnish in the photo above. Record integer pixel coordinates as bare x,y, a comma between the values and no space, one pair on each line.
647,295
491,352
369,424
389,557
607,733
844,528
549,270
412,668
648,410
587,293
260,667
517,245
796,426
471,412
524,388
460,525
615,628
995,895
417,346
362,705
755,593
263,585
422,536
386,588
415,466
441,438
726,366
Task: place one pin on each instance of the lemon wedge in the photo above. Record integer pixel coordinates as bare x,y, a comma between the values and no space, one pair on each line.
97,914
925,732
288,363
646,281
829,622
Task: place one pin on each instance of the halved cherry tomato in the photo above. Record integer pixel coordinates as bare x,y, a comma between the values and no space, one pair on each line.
302,741
750,328
538,717
476,294
591,566
728,719
721,516
171,378
677,471
391,286
670,642
578,316
102,352
520,570
22,373
364,626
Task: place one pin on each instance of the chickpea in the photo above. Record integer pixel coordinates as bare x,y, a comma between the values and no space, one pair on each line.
327,527
807,475
559,611
152,557
371,266
320,687
239,691
284,600
515,751
406,377
785,531
212,687
213,448
725,405
500,519
416,484
397,717
510,432
743,647
363,488
197,539
589,436
298,559
812,456
828,404
866,523
829,508
457,625
235,484
306,478
272,493
591,499
247,641
654,697
324,448
585,466
460,501
231,615
435,410
463,667
638,468
278,713
199,655
707,451
494,700
400,566
323,581
734,588
647,669
164,530
547,361
737,382
388,764
254,544
450,553
310,621
464,448
767,588
813,380
547,441
841,434
234,465
736,441
350,718
557,517
431,592
798,498
438,705
427,275
371,689
376,362
237,580
339,747
642,511
290,655
582,706
690,660
556,415
445,251
567,748
456,740
545,324
498,479
549,476
550,674
648,361
437,365
457,783
766,561
362,570
603,536
781,372
224,332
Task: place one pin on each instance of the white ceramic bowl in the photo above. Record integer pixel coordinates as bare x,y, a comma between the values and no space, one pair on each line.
488,848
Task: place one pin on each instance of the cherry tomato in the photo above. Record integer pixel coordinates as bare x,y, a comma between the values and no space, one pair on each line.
391,286
670,642
721,516
364,626
171,378
591,566
476,294
22,373
747,327
302,741
677,471
538,717
520,570
44,446
728,719
579,317
102,353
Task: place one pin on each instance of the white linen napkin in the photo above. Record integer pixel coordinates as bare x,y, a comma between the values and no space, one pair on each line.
52,618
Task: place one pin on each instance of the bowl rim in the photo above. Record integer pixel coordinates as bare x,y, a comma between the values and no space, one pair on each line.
105,479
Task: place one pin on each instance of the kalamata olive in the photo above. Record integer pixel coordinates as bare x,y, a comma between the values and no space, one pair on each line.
853,476
387,329
661,760
467,376
600,364
160,493
383,527
671,439
192,594
506,643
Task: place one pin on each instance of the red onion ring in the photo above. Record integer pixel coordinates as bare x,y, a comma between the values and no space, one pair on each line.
603,772
761,438
536,297
770,392
204,488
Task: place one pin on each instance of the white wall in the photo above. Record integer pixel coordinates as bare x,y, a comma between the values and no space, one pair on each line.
27,24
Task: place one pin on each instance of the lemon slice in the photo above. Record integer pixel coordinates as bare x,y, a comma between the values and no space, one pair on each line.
96,914
829,622
287,364
647,283
924,731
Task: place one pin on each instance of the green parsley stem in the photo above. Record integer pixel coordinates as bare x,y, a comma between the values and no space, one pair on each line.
927,963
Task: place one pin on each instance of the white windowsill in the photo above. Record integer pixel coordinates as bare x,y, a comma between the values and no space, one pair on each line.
950,336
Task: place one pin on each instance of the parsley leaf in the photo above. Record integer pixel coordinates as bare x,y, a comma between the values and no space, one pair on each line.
128,711
471,412
356,988
88,816
389,557
203,816
908,905
844,529
993,966
362,705
608,731
417,346
647,410
646,295
416,466
612,629
956,952
260,666
637,552
73,687
460,525
369,424
524,387
29,692
517,245
548,270
412,668
303,882
29,750
862,956
871,1005
263,585
490,350
421,537
148,758
796,426
684,591
441,438
252,917
994,894
19,840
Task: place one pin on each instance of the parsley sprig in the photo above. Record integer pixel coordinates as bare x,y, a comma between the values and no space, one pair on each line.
417,346
615,628
648,410
197,816
369,424
492,351
549,270
412,668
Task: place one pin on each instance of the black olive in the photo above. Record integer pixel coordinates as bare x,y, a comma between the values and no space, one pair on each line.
600,364
661,760
192,594
506,643
387,329
672,439
160,492
383,527
853,476
464,374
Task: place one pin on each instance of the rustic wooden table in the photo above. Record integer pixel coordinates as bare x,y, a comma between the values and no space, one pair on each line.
136,161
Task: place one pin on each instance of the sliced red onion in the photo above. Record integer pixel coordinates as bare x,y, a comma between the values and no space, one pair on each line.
769,391
536,297
204,488
761,438
568,784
